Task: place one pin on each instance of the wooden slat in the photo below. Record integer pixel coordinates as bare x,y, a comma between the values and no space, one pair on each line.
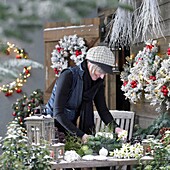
122,123
86,21
100,163
125,119
85,32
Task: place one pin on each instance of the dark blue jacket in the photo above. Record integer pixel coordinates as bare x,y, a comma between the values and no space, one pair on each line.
75,97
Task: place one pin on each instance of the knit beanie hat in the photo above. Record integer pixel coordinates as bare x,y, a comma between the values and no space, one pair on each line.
103,57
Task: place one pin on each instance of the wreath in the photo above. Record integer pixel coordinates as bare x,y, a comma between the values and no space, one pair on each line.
69,47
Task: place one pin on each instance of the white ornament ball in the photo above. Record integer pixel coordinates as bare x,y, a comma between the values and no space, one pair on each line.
103,152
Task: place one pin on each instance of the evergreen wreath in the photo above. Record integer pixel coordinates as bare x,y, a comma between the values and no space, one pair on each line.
69,47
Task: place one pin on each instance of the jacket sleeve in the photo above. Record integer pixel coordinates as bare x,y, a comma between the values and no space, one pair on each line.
63,88
102,108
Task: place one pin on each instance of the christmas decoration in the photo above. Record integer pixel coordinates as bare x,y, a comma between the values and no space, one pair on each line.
148,20
127,27
147,75
18,154
26,106
121,26
158,90
70,47
9,68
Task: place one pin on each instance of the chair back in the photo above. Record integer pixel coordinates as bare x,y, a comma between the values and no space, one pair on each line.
125,119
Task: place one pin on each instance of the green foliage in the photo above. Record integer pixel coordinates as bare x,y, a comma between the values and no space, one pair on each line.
95,143
161,155
162,121
25,106
18,154
73,143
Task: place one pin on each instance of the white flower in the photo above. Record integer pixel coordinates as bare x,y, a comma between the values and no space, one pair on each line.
129,151
71,156
104,134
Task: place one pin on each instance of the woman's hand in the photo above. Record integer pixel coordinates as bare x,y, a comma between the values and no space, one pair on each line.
122,134
85,138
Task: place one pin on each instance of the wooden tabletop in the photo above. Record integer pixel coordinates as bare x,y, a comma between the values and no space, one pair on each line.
99,163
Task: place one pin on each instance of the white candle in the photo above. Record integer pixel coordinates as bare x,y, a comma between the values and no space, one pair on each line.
38,135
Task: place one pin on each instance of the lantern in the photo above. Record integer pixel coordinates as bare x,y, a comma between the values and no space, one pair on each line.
146,145
40,128
57,151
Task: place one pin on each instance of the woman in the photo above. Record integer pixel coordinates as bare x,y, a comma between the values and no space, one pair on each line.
75,91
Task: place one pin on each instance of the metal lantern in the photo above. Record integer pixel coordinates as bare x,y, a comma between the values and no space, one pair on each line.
57,151
39,128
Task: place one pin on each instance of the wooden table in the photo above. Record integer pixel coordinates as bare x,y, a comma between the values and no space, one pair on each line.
96,163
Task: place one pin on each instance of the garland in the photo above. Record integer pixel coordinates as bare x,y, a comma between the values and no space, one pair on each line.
68,48
22,56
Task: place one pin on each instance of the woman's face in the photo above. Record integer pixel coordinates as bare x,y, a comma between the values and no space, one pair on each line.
95,72
97,75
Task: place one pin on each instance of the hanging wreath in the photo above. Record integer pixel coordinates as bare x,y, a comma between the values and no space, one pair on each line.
7,68
69,47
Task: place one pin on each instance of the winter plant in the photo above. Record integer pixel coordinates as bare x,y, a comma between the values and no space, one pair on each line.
121,26
18,154
128,151
147,75
160,150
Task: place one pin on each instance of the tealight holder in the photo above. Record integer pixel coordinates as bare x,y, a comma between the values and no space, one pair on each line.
146,145
57,151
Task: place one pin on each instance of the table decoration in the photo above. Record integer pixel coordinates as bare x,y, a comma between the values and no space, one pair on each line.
39,128
100,144
103,151
57,151
128,151
106,140
71,156
88,157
